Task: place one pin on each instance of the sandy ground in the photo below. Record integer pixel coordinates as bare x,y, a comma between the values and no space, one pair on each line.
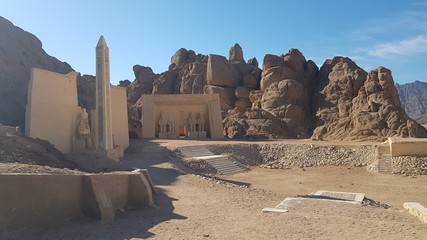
193,207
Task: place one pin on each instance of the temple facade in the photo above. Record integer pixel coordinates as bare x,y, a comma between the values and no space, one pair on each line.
194,116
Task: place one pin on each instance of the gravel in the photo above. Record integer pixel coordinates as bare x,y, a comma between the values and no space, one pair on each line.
409,165
283,156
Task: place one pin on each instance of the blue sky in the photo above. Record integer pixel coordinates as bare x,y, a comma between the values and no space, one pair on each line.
373,33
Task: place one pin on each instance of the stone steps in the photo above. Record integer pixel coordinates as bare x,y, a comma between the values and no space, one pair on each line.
195,151
384,163
223,164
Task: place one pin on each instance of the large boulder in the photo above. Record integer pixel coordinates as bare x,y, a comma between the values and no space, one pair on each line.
183,56
165,84
193,78
144,75
220,72
226,96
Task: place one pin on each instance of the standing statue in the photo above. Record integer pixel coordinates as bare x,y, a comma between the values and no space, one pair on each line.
162,123
201,122
84,128
191,123
171,123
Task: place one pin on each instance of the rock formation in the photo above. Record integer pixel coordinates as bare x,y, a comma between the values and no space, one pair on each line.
197,74
280,109
186,75
19,52
354,105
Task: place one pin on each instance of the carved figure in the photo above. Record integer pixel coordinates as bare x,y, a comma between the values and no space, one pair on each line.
191,123
84,128
170,123
162,123
201,121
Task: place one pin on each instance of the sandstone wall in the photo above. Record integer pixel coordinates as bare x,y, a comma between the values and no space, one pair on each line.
52,111
119,118
58,198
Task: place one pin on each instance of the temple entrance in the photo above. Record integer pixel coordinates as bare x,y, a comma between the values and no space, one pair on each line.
181,131
194,116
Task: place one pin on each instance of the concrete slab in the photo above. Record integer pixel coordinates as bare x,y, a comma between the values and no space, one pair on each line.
417,210
321,195
343,196
274,210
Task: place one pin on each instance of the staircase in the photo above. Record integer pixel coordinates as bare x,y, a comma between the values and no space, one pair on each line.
384,163
222,163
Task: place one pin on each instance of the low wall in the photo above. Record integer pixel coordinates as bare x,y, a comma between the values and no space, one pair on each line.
409,165
31,201
408,147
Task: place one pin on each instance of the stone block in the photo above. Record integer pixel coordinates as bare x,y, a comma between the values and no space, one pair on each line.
193,135
417,210
96,202
140,194
202,135
163,135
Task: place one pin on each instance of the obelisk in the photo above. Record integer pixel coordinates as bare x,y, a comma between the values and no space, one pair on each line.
103,131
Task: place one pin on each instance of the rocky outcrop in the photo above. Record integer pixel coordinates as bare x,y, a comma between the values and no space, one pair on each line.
413,98
186,75
236,53
281,108
232,79
354,105
189,73
19,52
86,91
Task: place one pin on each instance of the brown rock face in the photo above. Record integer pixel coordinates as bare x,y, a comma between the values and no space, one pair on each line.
354,105
281,109
226,95
186,75
289,98
222,73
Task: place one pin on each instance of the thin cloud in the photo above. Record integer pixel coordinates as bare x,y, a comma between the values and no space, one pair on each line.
407,47
419,4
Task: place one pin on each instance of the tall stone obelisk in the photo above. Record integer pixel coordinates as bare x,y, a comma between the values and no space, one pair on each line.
103,131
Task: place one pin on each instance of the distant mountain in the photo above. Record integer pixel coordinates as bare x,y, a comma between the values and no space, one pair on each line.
413,97
19,52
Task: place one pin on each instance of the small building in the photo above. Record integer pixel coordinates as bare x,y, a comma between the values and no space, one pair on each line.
194,116
395,147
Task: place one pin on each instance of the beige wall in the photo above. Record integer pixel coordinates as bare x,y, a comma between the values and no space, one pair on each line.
52,110
119,118
179,107
32,201
408,147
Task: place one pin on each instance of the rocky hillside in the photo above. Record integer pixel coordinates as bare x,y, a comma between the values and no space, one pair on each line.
19,52
289,98
413,97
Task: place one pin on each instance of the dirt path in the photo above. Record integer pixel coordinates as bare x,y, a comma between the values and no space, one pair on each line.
192,207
